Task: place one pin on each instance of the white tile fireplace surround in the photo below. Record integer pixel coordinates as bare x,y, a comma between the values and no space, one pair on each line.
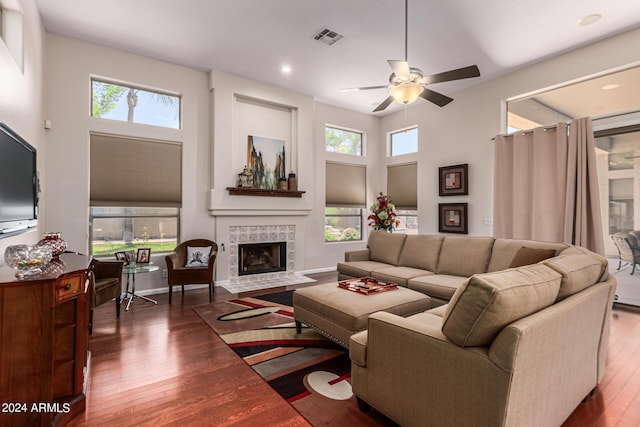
261,234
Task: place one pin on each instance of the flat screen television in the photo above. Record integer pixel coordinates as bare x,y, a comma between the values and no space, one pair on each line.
18,184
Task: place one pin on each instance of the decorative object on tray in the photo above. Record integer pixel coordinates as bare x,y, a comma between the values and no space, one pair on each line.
452,218
266,160
454,180
383,214
27,260
55,242
367,285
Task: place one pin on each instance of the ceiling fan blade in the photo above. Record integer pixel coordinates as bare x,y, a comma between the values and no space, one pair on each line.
458,74
384,104
400,69
355,89
437,98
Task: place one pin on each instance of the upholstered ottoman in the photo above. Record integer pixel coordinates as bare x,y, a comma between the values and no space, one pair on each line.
338,313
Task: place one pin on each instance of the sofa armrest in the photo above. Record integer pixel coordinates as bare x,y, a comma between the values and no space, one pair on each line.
409,362
361,255
358,348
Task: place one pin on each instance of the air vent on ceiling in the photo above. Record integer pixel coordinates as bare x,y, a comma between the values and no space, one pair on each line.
327,36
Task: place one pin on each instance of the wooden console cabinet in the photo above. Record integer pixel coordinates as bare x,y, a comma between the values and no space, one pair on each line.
44,339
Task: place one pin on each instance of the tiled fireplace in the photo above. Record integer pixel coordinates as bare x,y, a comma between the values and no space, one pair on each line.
253,251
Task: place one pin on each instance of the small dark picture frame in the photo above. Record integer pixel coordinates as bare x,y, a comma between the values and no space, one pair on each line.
121,256
144,255
452,218
454,180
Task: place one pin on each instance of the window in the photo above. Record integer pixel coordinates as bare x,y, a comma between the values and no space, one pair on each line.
134,202
131,104
12,30
116,229
345,199
618,154
402,187
404,142
342,224
343,141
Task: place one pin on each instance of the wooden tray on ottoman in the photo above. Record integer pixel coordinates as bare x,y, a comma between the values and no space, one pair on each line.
367,285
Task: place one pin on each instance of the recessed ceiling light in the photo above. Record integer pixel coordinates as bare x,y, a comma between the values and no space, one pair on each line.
589,19
285,69
610,86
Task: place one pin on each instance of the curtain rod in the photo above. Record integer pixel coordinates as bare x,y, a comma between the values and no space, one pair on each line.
528,131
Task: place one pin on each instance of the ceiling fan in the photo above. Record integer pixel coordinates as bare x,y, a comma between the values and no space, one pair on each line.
406,83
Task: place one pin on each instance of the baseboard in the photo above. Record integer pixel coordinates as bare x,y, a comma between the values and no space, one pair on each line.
316,271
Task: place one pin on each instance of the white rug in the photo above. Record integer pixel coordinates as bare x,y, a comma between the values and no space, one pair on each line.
237,288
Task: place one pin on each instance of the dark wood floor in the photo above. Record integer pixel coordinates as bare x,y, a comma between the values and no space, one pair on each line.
161,365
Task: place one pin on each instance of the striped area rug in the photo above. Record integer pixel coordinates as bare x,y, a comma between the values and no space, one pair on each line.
308,370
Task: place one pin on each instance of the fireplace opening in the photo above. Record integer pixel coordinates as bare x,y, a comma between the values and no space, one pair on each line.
258,258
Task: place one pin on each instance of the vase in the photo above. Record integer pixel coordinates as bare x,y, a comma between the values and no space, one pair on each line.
55,243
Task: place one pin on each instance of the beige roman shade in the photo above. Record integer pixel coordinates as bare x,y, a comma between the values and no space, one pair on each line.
346,185
402,186
135,172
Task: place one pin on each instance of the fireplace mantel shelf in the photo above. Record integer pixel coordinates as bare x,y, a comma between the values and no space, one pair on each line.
245,191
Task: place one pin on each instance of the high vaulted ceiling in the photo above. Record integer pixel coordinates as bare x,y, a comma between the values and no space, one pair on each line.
255,38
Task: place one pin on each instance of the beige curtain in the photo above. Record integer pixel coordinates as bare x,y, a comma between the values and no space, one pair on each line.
545,186
583,219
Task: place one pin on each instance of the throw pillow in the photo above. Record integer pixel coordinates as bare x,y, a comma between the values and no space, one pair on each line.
487,303
528,256
198,256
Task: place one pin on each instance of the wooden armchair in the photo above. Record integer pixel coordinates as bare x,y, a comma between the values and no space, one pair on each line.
179,274
106,285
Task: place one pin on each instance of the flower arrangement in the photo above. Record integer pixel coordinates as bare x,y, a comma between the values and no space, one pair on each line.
383,215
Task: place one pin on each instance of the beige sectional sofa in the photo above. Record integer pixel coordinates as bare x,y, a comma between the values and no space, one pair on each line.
520,346
435,265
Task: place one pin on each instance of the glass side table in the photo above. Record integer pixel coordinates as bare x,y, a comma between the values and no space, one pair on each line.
132,270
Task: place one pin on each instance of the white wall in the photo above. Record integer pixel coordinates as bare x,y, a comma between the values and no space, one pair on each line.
21,103
70,64
461,132
458,133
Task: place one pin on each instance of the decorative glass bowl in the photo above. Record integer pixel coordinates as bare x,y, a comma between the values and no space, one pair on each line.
27,260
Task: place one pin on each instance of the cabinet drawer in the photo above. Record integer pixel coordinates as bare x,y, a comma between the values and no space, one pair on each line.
68,287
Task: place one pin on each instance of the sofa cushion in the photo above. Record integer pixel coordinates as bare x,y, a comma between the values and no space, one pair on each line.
400,275
441,286
421,251
464,256
360,268
487,303
528,256
578,272
504,250
385,247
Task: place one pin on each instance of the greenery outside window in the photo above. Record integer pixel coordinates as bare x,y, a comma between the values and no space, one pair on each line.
343,141
342,224
131,104
116,229
404,141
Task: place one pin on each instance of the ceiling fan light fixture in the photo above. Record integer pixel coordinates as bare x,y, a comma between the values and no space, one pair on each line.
406,93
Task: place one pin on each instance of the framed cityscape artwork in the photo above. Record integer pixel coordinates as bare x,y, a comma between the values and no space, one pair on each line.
266,161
